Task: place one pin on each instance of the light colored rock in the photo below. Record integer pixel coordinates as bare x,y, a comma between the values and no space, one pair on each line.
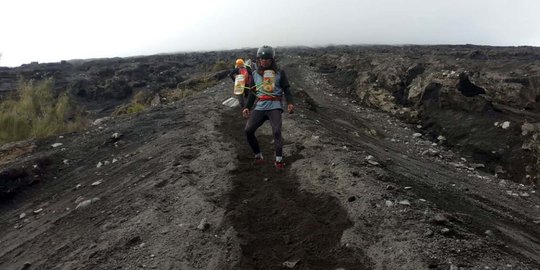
528,128
404,202
97,183
156,101
478,165
54,145
203,225
431,152
439,219
290,264
86,203
231,102
371,160
100,121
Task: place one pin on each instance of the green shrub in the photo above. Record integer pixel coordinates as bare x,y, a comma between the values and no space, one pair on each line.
33,111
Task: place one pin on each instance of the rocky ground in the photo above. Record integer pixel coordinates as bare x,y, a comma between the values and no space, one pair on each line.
483,101
175,188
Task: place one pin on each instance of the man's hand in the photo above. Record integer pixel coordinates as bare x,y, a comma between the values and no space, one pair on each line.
245,113
290,108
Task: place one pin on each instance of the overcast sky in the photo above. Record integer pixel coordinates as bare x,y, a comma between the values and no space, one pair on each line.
54,30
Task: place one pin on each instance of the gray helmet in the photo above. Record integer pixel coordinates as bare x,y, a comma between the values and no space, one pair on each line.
265,52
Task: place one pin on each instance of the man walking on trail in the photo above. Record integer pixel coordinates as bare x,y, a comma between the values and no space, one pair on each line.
271,85
244,70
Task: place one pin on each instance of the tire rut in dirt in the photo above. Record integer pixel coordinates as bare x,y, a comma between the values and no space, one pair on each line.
277,222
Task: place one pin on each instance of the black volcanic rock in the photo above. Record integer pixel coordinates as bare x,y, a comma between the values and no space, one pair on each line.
462,92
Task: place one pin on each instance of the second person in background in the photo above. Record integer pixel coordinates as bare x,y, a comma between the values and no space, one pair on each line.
242,78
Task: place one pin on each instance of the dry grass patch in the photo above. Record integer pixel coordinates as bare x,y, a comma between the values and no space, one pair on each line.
34,111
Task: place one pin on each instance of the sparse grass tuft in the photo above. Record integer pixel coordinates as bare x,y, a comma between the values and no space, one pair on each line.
35,112
135,108
220,65
138,104
176,94
188,87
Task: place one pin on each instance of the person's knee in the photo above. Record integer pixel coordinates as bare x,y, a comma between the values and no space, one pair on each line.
249,131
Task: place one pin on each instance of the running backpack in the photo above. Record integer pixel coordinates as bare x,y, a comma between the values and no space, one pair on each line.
244,71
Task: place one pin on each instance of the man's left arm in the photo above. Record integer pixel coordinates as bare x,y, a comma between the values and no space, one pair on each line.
233,73
287,91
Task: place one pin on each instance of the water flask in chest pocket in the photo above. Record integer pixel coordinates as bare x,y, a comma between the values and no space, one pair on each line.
269,79
239,84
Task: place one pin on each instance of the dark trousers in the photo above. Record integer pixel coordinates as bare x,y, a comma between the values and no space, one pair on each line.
256,119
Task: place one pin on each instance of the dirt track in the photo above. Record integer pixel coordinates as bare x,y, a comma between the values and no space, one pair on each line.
182,164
